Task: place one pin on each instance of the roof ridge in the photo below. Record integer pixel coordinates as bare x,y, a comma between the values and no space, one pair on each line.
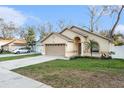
60,35
8,43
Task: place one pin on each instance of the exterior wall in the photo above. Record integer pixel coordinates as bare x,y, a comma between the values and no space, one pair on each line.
53,39
103,44
71,47
72,35
12,47
70,50
6,48
82,49
43,49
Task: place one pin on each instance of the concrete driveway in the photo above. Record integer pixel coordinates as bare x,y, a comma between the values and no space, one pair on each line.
11,79
9,55
13,64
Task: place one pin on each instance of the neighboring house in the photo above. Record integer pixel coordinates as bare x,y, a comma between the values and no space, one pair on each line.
4,42
71,42
10,45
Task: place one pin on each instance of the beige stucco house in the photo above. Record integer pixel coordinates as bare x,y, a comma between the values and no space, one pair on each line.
10,45
72,42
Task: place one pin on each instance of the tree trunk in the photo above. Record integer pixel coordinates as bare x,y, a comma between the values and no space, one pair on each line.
116,22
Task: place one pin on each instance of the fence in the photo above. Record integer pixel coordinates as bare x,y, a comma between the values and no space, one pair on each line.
119,51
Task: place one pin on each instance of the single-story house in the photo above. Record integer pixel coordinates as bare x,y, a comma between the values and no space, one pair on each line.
71,42
10,45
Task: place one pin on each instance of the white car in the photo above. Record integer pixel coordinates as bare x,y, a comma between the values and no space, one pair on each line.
21,50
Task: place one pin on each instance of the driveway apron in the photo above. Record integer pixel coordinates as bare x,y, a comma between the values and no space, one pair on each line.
9,79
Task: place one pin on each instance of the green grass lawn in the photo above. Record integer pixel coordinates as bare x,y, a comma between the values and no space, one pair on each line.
17,57
80,72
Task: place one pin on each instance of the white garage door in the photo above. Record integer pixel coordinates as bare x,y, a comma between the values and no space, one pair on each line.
55,49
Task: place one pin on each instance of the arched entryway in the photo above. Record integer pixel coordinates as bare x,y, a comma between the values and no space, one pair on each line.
77,42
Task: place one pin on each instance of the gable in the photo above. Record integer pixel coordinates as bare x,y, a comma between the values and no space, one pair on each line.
52,39
103,42
88,33
72,34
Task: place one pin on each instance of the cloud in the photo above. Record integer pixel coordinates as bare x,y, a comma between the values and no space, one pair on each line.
120,29
34,18
12,15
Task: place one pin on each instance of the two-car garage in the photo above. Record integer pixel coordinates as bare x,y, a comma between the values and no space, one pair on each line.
55,49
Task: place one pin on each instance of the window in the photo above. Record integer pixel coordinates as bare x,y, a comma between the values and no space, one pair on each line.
95,47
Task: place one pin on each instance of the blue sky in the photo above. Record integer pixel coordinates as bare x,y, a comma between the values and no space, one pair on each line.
76,15
70,14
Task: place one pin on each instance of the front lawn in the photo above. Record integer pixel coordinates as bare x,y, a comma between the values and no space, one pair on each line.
80,72
18,57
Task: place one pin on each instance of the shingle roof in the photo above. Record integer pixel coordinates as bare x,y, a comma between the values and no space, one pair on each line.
15,41
5,42
20,41
80,33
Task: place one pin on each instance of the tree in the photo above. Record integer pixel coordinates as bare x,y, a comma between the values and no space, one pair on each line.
104,33
61,24
7,30
22,33
30,38
90,45
47,28
44,30
113,11
95,14
117,19
118,39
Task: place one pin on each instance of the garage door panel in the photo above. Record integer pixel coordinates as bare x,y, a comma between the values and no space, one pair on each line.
55,49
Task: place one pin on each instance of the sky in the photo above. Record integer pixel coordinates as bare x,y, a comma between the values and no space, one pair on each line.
34,15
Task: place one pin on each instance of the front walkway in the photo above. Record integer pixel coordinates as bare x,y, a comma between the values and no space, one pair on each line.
11,79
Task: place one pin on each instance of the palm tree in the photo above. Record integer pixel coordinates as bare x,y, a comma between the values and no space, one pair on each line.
90,45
